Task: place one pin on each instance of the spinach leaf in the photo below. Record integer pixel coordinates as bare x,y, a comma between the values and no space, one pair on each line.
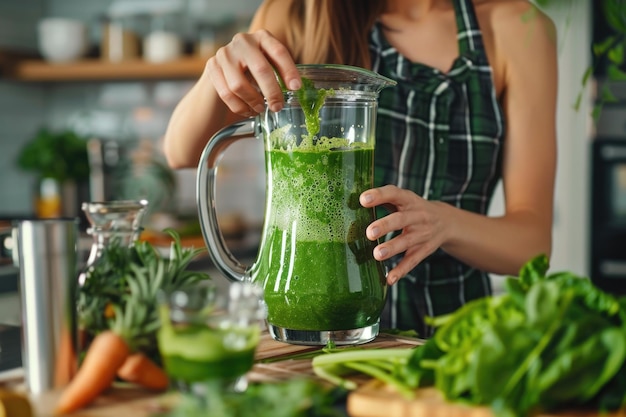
550,341
603,352
534,270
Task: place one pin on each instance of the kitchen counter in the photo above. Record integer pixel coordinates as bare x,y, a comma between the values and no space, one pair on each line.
370,399
124,401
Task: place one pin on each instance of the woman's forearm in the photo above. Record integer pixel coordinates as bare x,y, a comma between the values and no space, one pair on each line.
195,119
499,245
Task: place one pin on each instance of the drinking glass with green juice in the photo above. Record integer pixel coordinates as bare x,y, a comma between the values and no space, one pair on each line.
209,334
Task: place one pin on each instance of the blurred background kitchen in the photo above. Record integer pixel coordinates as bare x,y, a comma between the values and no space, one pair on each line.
115,76
109,73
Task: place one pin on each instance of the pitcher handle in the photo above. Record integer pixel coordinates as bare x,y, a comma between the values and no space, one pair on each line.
206,177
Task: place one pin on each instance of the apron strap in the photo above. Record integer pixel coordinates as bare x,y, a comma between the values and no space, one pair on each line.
468,30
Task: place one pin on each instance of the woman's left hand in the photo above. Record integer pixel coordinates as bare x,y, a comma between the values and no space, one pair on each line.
422,229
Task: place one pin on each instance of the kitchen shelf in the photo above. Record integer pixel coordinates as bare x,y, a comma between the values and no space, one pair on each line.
99,70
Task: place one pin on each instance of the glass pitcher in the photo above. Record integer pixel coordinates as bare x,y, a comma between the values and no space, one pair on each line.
315,264
109,221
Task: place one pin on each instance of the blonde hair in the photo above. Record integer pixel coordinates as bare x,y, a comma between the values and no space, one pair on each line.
332,31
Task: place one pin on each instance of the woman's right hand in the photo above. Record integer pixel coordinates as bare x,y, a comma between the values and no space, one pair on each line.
243,73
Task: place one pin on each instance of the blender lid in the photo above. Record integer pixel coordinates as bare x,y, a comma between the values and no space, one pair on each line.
346,77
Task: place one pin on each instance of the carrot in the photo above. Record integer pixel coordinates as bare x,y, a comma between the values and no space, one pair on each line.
65,361
105,356
141,370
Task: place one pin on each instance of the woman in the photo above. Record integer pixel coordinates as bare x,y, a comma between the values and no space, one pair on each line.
475,103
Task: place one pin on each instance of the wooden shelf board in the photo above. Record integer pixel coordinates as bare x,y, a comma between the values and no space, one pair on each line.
95,69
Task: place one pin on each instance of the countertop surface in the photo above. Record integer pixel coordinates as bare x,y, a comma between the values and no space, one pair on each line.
124,401
370,399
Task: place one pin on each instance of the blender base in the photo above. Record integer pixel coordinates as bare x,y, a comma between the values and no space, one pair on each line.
322,337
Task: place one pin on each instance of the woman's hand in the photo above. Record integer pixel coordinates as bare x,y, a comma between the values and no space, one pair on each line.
422,228
243,72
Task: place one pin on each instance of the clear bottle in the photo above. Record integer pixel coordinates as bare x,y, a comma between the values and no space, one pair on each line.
163,42
109,220
120,41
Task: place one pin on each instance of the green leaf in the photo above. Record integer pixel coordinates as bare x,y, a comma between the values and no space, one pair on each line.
616,74
602,47
418,373
587,75
496,360
534,270
295,398
542,304
606,95
616,54
578,373
613,395
615,14
597,109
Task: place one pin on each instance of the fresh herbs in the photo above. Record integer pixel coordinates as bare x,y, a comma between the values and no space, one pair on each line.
119,290
551,341
294,398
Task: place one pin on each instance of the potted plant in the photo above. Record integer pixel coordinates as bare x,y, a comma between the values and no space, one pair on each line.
609,52
60,162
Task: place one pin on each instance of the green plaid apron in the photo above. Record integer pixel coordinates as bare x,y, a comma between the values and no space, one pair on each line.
439,135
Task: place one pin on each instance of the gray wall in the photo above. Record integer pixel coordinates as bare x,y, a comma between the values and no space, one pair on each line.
22,110
18,19
22,107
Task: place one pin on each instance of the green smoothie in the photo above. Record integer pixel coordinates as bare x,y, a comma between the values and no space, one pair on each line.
197,352
315,263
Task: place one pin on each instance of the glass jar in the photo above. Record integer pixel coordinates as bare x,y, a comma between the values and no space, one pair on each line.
120,41
163,42
207,40
99,286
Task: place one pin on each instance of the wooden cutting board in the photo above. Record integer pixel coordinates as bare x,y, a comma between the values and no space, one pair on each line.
374,399
119,401
277,369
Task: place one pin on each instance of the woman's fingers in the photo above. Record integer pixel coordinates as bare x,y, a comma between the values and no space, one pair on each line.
232,101
408,262
418,222
282,65
398,201
415,243
244,72
229,70
416,227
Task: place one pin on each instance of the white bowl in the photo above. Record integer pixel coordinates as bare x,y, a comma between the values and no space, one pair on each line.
61,39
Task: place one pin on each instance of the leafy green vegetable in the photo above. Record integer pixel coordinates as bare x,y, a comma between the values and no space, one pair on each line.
294,398
551,341
387,365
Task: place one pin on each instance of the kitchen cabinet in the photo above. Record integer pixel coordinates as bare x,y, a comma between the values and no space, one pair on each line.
32,70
